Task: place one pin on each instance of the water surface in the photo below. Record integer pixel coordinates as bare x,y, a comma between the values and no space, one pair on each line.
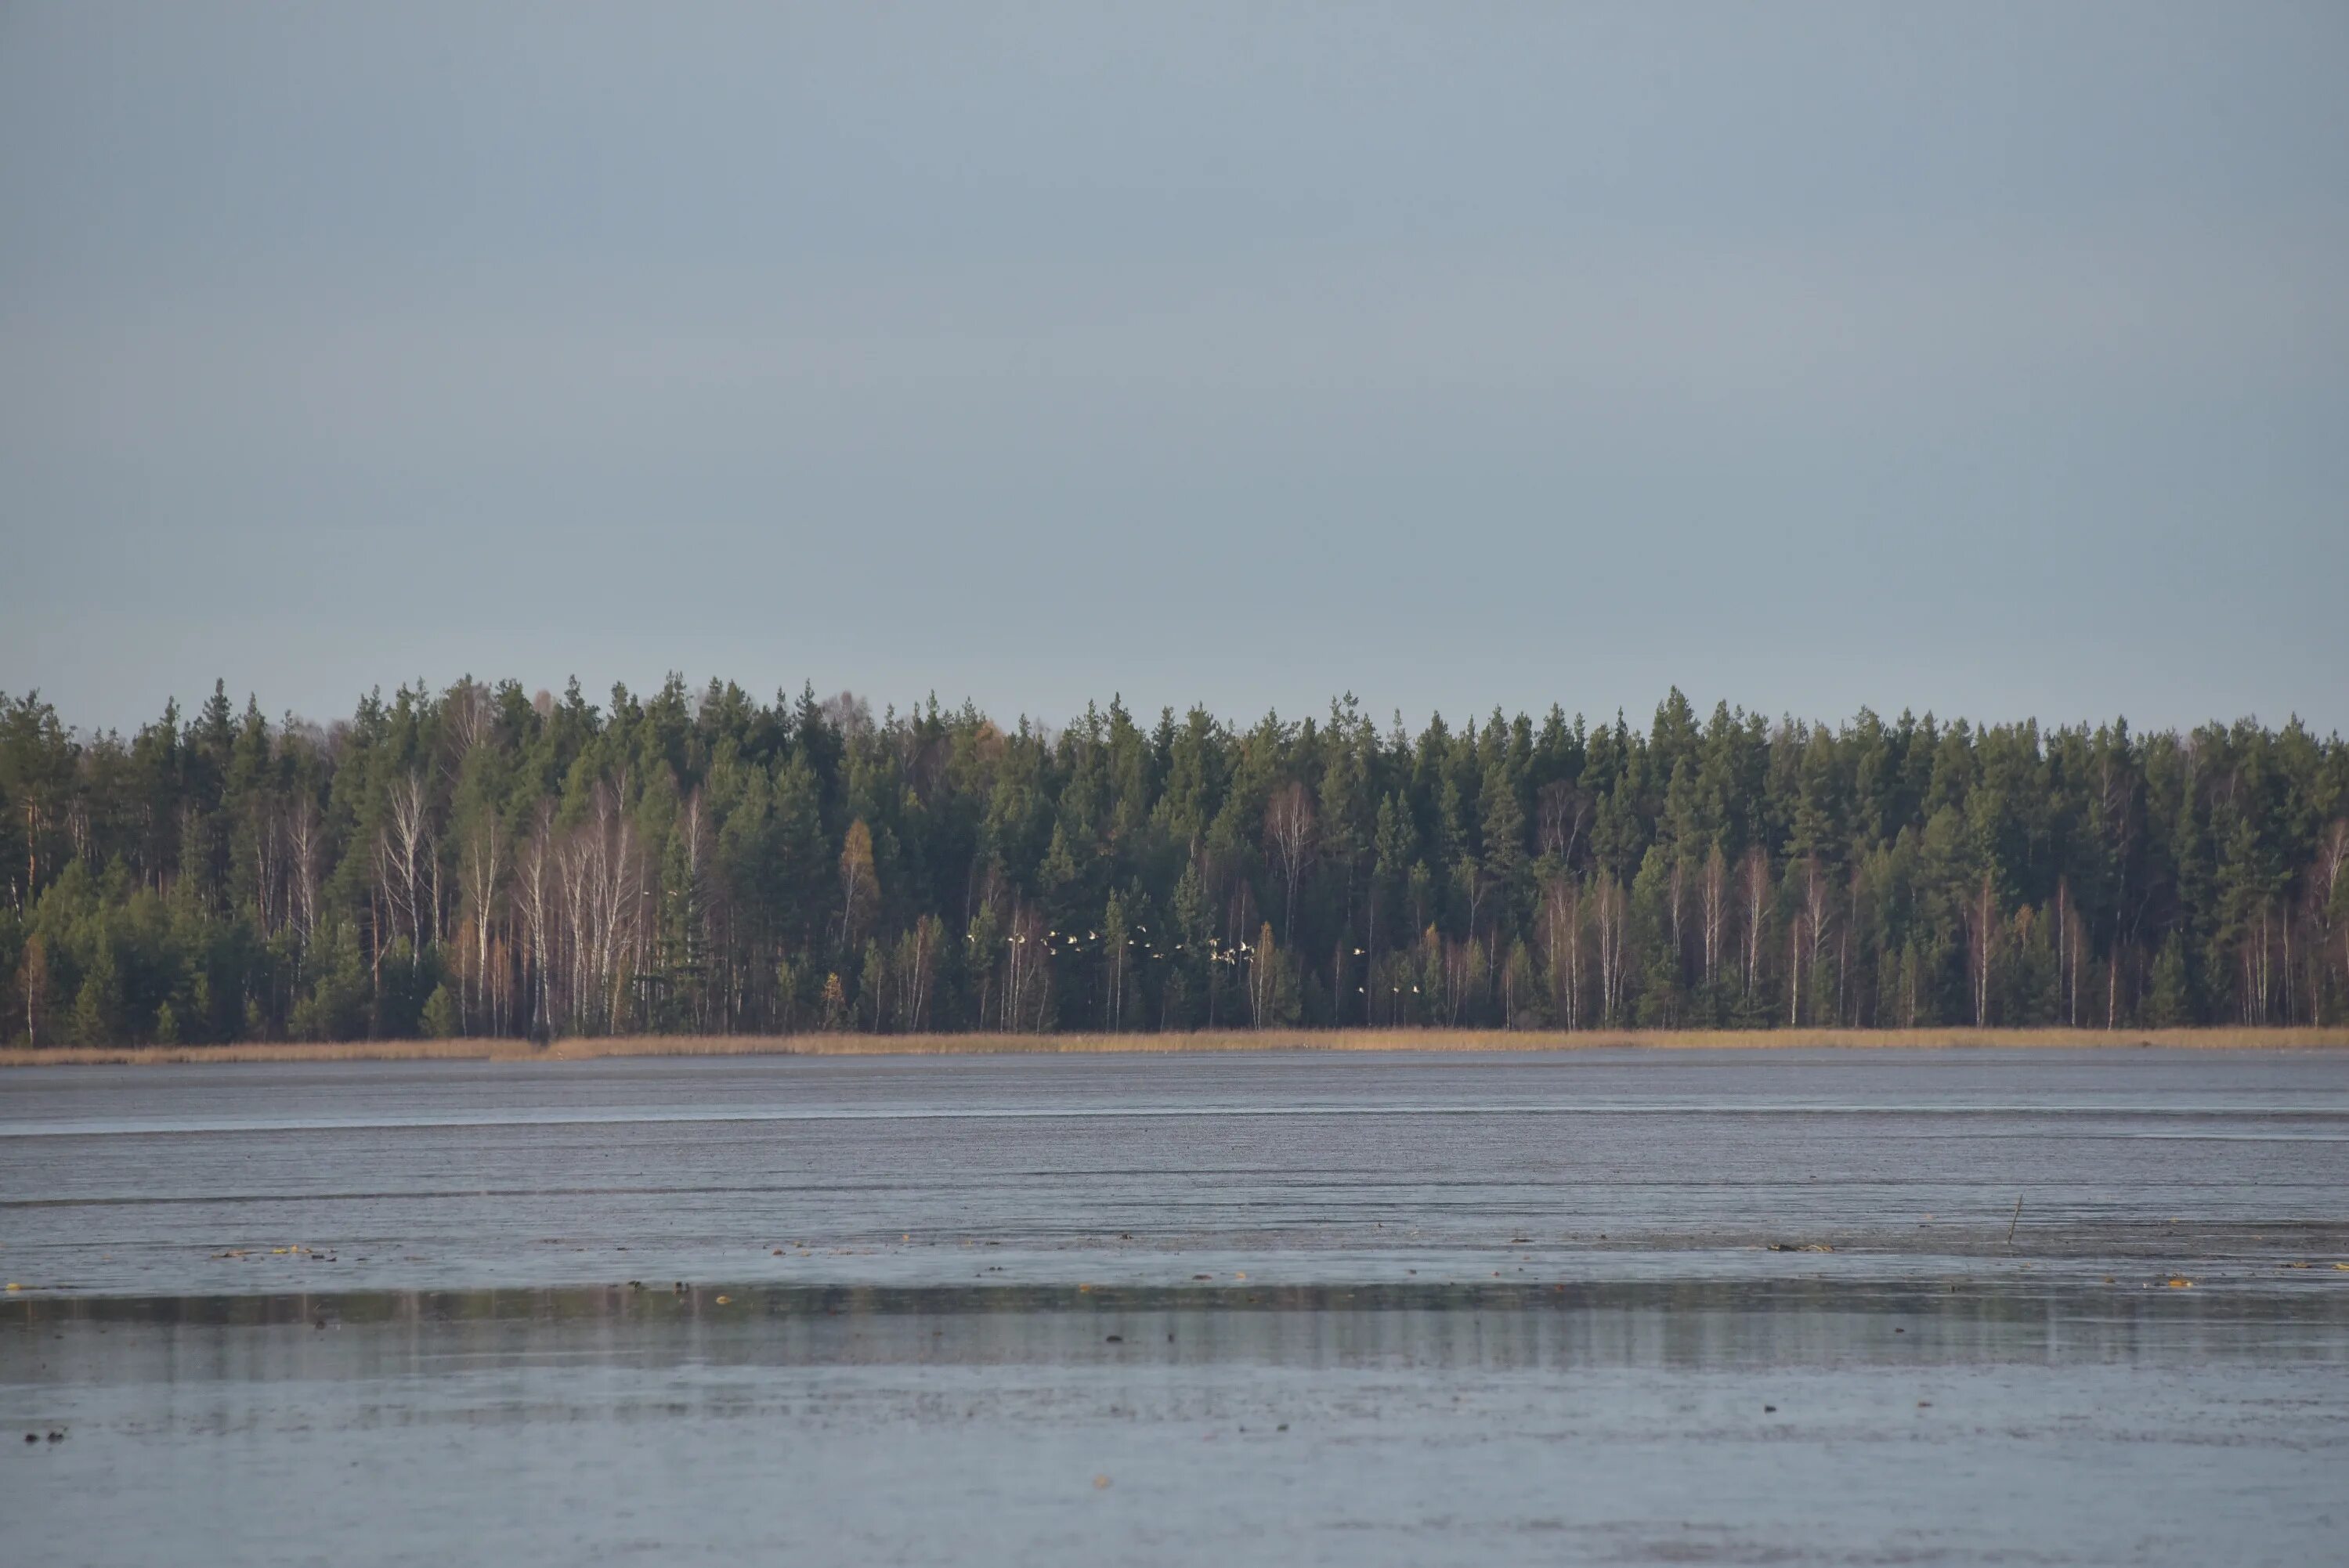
1622,1306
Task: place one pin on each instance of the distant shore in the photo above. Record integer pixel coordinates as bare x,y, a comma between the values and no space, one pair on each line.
1222,1040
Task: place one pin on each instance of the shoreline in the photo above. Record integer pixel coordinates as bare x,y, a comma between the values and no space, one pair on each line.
1204,1042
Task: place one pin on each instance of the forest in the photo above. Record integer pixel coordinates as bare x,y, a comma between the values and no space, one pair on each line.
487,861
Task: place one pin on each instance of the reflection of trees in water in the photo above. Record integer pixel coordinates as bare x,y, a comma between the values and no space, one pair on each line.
1621,1324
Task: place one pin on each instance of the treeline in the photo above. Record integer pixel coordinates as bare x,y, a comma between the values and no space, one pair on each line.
484,861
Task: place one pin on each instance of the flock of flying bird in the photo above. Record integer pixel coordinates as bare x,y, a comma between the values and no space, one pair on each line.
1054,938
1217,953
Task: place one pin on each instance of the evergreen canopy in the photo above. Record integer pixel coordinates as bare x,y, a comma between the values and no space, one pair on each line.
481,862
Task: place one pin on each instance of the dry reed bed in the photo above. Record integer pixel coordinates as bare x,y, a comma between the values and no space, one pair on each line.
581,1048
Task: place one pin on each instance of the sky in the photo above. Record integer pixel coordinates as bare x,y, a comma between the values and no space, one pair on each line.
1981,358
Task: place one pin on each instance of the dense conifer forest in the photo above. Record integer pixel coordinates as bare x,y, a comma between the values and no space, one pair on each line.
486,862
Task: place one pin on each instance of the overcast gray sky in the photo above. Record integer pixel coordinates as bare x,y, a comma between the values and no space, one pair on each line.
1991,359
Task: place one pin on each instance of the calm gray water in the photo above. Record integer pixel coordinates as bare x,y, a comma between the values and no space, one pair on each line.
1750,1308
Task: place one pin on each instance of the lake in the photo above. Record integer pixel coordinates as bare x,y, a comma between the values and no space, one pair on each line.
1770,1307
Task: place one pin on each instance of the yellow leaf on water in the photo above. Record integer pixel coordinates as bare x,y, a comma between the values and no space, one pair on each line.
2181,1284
14,1285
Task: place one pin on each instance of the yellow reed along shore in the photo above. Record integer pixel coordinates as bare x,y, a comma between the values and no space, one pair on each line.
855,1045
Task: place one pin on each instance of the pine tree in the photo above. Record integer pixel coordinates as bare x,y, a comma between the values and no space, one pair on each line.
2168,997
